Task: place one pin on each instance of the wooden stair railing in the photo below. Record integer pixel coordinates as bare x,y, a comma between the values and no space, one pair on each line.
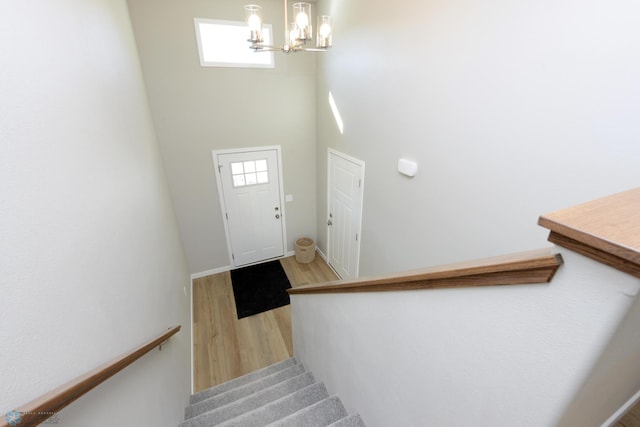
49,404
521,268
606,230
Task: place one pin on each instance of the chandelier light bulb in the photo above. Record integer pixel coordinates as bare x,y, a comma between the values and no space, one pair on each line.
323,38
302,20
325,30
255,23
294,34
302,13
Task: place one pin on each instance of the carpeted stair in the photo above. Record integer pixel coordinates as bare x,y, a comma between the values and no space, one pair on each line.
282,395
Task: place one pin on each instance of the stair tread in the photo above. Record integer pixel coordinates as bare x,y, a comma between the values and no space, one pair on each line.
280,408
242,391
349,421
244,379
252,402
320,414
281,395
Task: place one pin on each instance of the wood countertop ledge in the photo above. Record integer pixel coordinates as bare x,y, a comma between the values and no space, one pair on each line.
537,266
606,230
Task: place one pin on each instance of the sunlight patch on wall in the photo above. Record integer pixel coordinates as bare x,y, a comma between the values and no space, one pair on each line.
336,113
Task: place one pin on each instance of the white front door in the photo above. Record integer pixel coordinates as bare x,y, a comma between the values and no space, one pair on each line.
345,193
250,187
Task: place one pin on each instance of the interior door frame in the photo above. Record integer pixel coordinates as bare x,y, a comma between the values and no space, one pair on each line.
223,210
331,151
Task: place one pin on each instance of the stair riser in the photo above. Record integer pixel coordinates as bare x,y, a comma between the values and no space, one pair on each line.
245,379
243,391
253,402
280,395
280,408
320,414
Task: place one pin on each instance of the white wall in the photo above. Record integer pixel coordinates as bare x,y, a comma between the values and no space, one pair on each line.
494,356
91,263
197,110
614,378
510,109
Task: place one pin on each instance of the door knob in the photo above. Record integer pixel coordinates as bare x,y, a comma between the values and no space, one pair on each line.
277,216
277,208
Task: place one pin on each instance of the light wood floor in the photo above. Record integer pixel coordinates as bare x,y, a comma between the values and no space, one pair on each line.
225,347
631,419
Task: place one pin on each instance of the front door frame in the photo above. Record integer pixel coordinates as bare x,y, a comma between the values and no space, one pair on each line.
223,209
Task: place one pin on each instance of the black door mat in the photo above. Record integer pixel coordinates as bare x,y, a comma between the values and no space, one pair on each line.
259,288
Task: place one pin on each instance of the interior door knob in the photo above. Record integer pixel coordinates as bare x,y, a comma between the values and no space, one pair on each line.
277,216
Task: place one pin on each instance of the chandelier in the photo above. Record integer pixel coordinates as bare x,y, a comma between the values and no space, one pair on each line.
297,34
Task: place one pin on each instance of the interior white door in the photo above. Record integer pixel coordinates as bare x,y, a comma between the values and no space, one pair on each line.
250,185
345,193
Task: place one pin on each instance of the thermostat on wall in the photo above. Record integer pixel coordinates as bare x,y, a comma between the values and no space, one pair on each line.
407,167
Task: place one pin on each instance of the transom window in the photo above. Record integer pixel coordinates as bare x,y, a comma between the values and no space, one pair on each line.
224,44
251,172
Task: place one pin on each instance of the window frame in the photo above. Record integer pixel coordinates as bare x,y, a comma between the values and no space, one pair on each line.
203,63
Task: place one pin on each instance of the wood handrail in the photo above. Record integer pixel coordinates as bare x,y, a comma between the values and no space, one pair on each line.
49,404
537,266
606,230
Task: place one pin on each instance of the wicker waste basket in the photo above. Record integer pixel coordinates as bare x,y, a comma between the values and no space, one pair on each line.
305,250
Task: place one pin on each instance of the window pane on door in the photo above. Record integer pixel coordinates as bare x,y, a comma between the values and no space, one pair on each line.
251,179
250,172
261,165
250,166
263,177
238,181
236,168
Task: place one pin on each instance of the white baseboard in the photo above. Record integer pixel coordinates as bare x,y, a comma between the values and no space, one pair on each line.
623,410
322,255
210,272
227,268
